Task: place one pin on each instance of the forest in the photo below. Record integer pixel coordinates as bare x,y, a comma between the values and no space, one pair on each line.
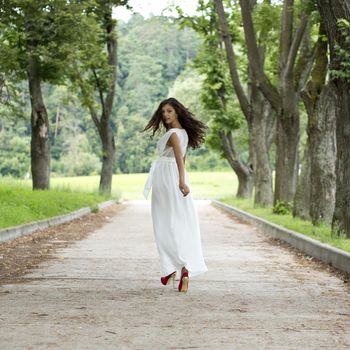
270,79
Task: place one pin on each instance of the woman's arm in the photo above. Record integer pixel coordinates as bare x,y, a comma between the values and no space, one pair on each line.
175,144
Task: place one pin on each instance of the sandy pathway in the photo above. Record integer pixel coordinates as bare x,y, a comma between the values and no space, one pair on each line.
104,293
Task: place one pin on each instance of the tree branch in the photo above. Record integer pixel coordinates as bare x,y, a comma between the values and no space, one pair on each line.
232,154
99,88
286,31
305,61
293,51
318,76
267,88
242,98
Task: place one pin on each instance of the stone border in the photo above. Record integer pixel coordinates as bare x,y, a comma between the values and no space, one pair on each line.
324,252
25,229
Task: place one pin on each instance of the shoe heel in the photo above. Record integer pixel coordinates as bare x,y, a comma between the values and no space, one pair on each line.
171,278
166,280
184,286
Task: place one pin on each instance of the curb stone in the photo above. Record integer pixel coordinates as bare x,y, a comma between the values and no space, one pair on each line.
324,252
25,229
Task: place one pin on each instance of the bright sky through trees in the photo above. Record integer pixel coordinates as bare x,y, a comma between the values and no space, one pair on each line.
155,7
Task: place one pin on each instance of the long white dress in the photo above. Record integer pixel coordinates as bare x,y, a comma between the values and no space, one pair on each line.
175,220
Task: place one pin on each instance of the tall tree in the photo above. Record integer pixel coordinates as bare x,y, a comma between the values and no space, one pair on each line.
257,113
97,76
217,96
336,17
38,41
285,98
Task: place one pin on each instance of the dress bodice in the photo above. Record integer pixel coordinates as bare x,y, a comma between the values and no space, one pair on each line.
167,151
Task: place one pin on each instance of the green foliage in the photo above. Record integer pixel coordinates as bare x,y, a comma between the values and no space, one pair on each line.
152,55
342,52
20,205
267,25
217,95
47,31
14,150
75,146
133,147
282,208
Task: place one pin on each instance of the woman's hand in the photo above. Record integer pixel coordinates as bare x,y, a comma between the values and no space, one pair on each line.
184,189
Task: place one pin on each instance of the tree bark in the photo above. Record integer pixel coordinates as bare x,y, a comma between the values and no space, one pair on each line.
319,102
108,157
40,139
323,156
331,12
260,130
287,157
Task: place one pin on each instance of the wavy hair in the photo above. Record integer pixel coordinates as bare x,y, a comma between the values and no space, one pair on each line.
195,129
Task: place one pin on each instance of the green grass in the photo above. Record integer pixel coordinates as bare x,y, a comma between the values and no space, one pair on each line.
20,205
130,186
322,233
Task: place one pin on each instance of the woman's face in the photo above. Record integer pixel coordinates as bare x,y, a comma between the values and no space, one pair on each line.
168,113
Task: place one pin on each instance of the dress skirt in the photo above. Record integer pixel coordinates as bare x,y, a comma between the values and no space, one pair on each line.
175,221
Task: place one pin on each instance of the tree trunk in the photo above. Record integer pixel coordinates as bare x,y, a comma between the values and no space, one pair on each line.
108,157
261,134
287,157
341,218
323,155
40,141
331,12
105,129
319,102
245,186
243,172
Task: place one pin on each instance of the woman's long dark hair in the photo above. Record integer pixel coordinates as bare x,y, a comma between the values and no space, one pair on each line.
195,129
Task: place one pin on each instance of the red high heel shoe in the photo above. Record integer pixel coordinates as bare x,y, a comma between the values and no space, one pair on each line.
183,285
166,280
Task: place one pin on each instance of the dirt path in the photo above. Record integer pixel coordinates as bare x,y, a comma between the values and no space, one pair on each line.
103,292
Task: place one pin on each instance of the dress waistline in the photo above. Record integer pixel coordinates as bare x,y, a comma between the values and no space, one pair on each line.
148,184
166,159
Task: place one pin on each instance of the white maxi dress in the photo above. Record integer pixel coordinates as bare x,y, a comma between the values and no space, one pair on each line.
175,220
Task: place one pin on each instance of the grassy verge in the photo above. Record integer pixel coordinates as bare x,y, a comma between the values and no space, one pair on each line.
130,186
20,205
322,233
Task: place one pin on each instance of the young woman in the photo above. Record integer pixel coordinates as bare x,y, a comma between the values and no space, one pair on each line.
175,220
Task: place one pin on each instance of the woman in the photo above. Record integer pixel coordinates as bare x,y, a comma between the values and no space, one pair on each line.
175,220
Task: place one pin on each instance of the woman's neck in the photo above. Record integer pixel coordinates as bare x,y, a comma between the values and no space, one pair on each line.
175,125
